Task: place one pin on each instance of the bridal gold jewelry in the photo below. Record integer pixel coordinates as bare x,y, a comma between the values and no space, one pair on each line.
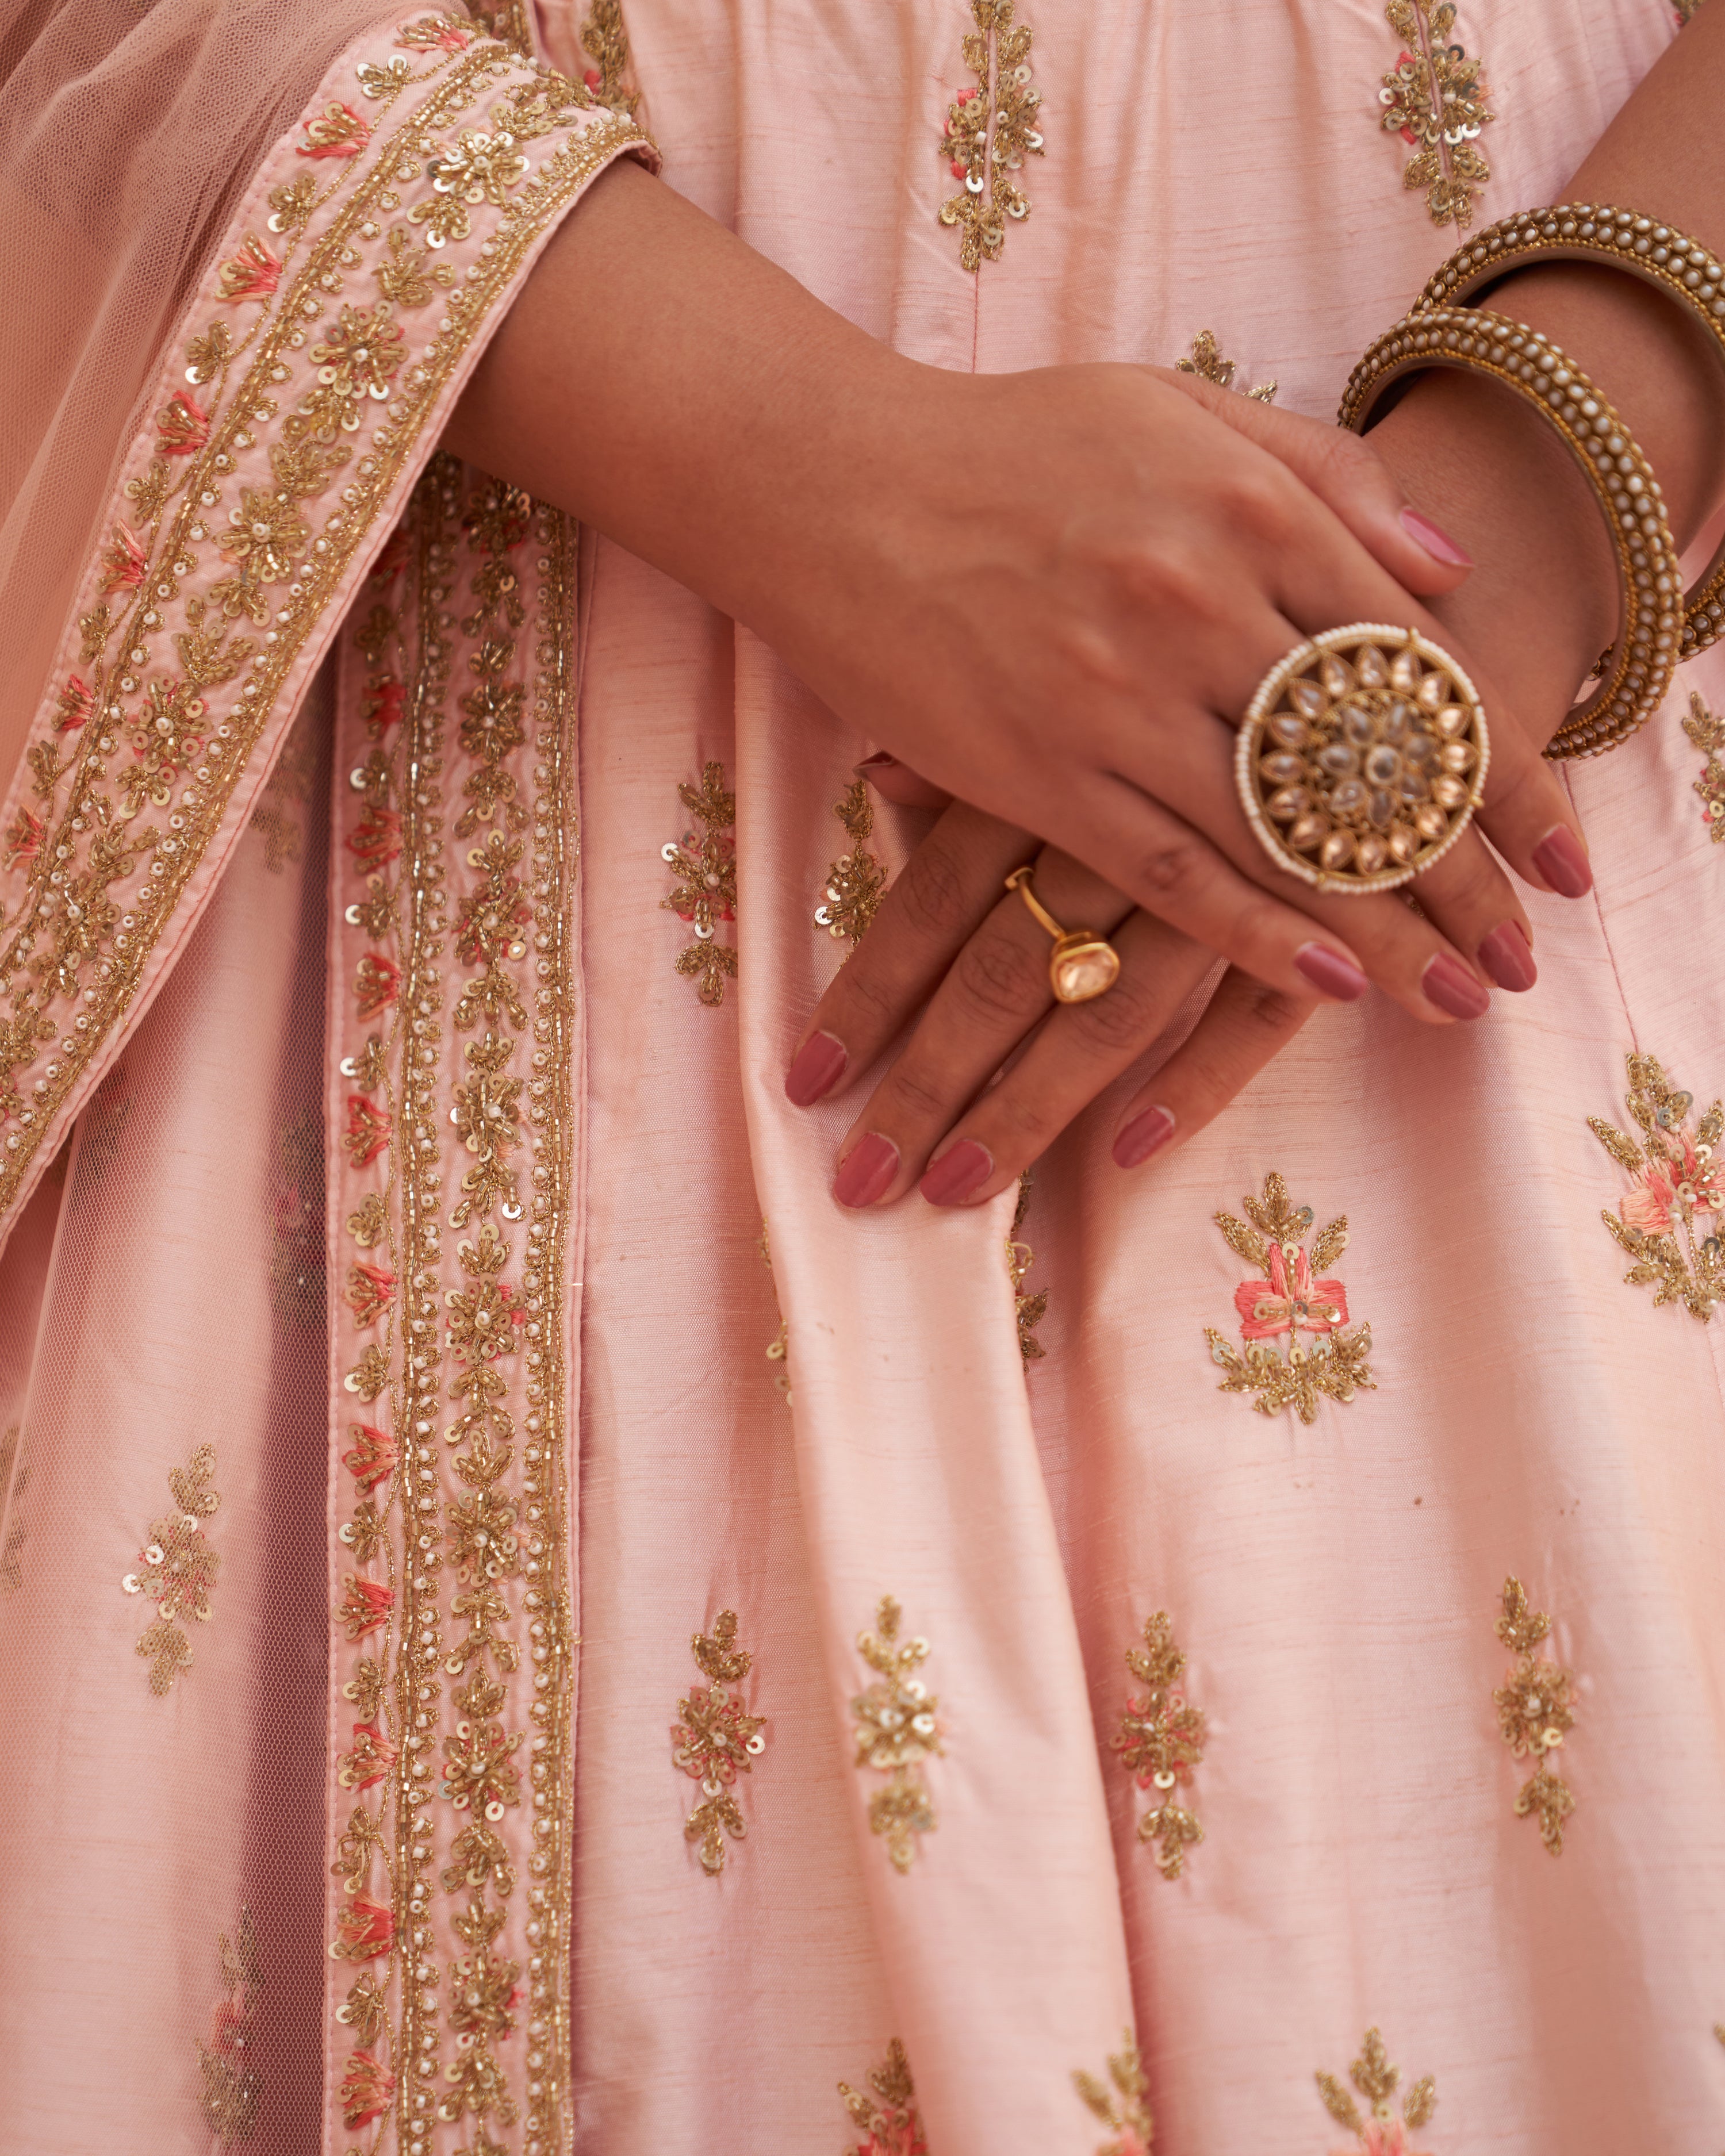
1638,667
1671,262
1361,758
1082,965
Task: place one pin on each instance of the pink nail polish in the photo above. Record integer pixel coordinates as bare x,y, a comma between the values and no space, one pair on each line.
867,1172
1561,859
1143,1134
1329,972
964,1167
1448,984
1438,545
816,1067
1508,958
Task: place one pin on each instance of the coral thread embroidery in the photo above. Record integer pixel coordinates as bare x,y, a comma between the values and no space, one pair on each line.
990,132
1293,1301
1119,2102
231,2085
1708,735
886,2116
1160,1740
715,1739
1536,1711
1379,2131
855,882
706,892
1208,363
895,1732
1679,1181
177,1570
1435,99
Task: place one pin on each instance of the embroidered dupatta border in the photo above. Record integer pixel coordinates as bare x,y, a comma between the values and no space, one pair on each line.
121,915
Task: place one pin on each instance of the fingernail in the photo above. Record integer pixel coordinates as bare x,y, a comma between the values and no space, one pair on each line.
951,1179
877,762
868,1169
1329,972
1507,958
1448,984
1143,1136
1562,860
1438,545
818,1066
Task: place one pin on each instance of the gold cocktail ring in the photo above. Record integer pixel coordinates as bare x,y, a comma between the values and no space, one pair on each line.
1361,758
1082,965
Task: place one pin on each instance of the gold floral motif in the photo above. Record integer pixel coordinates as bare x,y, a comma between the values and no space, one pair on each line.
1208,363
1290,1300
855,882
990,132
715,1739
885,2115
605,41
1708,735
1536,1711
1160,1740
896,1730
1378,2131
1120,2101
231,2085
1029,1310
177,1570
1679,1185
1435,99
704,864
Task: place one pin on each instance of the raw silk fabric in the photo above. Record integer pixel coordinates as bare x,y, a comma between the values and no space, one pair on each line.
183,1274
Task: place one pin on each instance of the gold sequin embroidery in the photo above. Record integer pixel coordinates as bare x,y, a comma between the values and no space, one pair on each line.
1379,2131
1679,1184
896,1731
1208,363
1536,1711
1435,99
231,2085
1029,1308
990,132
604,39
177,1570
1708,735
1160,1740
1291,1300
886,2115
715,1739
855,882
1119,2102
704,864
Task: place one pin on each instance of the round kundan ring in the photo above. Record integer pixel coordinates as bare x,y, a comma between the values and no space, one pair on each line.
1082,965
1361,758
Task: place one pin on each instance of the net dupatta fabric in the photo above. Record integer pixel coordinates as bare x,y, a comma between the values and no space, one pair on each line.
269,245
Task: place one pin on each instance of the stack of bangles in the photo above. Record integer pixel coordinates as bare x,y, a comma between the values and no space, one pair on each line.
1361,758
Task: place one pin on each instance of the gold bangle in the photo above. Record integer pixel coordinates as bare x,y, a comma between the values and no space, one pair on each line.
1082,965
1361,757
1639,666
1669,260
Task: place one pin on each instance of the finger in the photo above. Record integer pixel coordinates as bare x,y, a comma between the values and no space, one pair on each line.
897,782
1244,1027
1352,480
1078,1050
997,990
945,889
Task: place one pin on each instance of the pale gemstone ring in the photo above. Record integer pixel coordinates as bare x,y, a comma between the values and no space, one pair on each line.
1361,758
1082,965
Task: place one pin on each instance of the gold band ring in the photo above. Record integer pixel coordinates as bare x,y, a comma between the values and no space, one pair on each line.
1082,965
1361,758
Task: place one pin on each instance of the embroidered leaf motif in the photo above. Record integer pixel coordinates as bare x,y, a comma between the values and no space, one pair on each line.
1119,2102
990,130
1670,1221
1708,735
1246,1241
856,882
1376,2080
1324,1359
705,894
887,2118
1339,2104
897,1731
1536,1711
1160,1740
1435,99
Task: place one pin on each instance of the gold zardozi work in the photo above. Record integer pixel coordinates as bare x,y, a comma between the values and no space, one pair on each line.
896,1731
1160,1740
1536,1711
1291,1300
715,1739
1708,735
1378,2130
1435,99
990,132
886,2115
855,882
1208,363
177,1570
1120,2101
1678,1188
705,893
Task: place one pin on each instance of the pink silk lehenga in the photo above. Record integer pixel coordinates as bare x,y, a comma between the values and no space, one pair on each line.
523,1628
